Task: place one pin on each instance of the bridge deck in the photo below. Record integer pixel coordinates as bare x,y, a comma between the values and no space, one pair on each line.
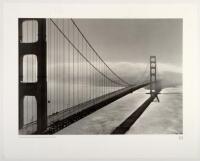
66,117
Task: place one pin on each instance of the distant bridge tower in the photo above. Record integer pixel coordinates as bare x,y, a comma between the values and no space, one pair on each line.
153,77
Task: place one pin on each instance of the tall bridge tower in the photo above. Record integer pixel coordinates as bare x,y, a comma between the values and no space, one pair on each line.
37,89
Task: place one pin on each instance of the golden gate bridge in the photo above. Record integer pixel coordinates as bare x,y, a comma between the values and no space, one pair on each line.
63,79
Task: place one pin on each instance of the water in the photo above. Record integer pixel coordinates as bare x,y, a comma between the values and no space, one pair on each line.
164,117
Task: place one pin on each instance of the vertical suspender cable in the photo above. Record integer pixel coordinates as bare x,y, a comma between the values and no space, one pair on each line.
69,66
86,73
73,64
78,88
63,74
58,69
55,97
50,66
27,98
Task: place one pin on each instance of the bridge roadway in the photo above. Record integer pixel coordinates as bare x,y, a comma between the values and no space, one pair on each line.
68,116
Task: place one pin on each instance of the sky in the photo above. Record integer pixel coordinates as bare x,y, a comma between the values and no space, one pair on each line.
134,40
129,43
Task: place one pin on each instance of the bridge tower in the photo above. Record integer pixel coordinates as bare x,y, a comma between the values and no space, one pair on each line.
153,76
37,89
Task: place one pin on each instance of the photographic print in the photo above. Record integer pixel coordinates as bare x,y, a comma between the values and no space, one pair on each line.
100,76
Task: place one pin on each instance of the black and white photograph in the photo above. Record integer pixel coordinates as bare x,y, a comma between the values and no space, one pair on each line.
114,76
100,81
